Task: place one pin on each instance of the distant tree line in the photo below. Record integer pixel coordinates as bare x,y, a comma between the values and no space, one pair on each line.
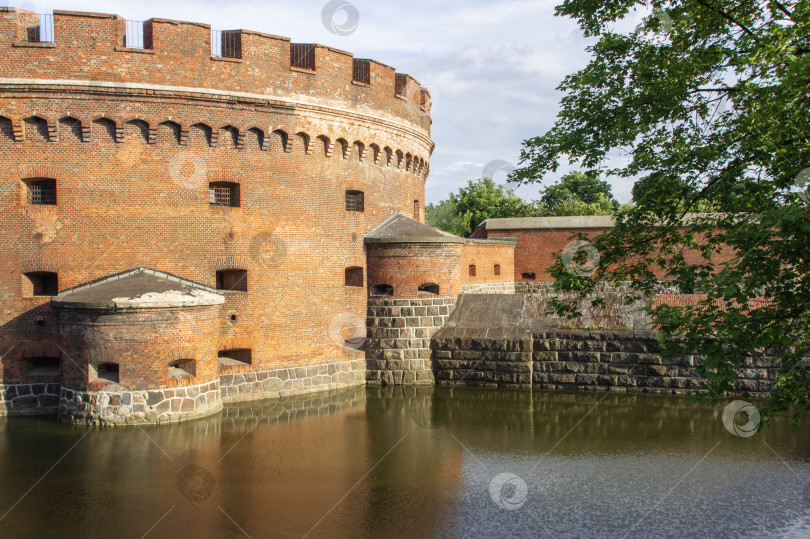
577,193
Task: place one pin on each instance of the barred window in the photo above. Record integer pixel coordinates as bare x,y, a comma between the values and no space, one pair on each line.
223,194
361,71
355,201
302,56
42,192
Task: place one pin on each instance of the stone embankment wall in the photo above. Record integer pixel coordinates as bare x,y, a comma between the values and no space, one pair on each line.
551,358
399,333
29,398
147,407
283,382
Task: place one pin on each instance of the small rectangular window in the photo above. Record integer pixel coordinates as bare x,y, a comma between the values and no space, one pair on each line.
472,270
234,280
223,194
42,283
42,192
400,84
497,269
361,71
355,201
302,56
235,357
527,276
354,277
416,209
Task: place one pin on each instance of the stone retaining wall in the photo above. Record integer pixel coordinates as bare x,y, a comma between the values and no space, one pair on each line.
29,399
283,382
399,332
575,359
123,407
489,288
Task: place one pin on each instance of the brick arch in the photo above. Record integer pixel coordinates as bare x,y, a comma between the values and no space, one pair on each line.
176,130
231,262
141,125
399,159
108,127
375,155
345,149
280,140
7,127
72,125
361,149
209,136
54,172
306,141
39,264
181,353
223,175
389,156
328,146
235,342
230,133
255,139
39,125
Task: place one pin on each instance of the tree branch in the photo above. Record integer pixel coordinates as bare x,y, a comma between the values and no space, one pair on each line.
727,17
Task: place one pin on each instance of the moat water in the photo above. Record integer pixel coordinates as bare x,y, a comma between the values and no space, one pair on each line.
407,462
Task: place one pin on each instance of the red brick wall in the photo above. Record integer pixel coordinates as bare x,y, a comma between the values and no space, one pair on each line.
135,194
484,258
405,266
533,253
142,342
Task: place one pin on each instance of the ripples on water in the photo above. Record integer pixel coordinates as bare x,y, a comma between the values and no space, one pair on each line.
416,462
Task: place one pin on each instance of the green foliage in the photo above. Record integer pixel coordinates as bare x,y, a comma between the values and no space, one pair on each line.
579,193
709,98
445,216
472,205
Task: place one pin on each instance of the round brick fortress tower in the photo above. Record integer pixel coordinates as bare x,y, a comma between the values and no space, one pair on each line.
235,164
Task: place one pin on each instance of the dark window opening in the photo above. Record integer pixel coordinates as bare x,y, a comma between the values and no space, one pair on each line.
302,56
400,82
428,289
181,368
355,201
354,277
43,283
42,366
361,71
223,194
497,269
235,357
42,192
105,371
234,280
226,43
416,209
528,276
382,290
472,270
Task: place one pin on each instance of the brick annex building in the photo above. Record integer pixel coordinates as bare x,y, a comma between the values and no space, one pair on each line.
194,217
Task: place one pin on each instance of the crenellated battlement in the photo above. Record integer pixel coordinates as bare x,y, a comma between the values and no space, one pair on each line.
93,47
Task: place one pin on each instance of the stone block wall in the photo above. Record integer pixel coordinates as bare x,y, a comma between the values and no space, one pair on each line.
29,399
551,358
283,382
122,407
399,333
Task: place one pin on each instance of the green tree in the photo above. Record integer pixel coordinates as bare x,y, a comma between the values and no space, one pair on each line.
579,192
710,100
472,205
445,216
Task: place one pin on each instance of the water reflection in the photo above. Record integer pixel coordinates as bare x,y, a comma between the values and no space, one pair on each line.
370,462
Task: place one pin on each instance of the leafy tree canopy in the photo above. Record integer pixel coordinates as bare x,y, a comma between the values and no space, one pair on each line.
578,193
710,100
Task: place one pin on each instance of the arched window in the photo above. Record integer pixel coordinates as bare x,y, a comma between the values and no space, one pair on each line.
104,371
428,289
382,290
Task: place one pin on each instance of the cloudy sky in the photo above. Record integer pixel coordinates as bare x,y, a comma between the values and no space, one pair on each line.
492,66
